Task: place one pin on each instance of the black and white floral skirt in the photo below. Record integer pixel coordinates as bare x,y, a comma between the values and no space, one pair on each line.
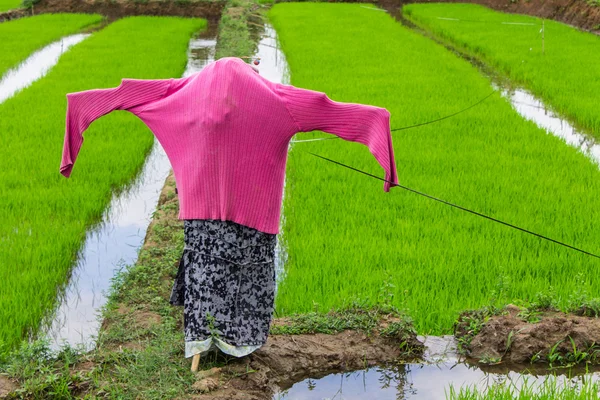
226,285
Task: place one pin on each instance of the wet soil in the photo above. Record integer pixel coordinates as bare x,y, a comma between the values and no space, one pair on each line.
14,14
6,386
211,10
287,359
509,339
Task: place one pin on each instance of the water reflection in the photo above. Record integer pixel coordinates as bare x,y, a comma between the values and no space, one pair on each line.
442,367
35,66
535,110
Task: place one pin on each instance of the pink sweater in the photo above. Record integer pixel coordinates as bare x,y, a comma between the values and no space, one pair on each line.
226,131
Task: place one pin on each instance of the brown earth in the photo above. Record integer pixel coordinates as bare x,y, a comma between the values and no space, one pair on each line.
6,386
211,10
14,14
532,340
287,359
578,13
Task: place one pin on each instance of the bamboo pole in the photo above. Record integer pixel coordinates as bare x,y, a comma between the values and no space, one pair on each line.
195,362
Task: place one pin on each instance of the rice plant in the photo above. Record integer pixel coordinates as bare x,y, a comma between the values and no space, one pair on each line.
21,37
45,216
555,61
345,235
6,5
545,388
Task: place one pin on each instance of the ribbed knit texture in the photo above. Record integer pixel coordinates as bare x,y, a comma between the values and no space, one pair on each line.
226,131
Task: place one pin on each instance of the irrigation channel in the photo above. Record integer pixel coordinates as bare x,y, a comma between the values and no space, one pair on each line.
35,66
115,244
442,366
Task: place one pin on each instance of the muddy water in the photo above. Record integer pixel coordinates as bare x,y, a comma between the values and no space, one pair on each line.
432,379
115,243
35,66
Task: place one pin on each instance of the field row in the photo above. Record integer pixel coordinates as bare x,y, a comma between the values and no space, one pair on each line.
45,216
556,62
347,238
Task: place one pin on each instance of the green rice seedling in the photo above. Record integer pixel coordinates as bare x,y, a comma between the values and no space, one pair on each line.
344,235
550,388
45,217
6,5
21,37
555,61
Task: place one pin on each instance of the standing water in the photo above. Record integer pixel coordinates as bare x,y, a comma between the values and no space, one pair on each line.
535,110
115,243
35,66
431,380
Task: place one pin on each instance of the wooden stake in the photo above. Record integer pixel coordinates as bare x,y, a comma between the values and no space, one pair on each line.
195,362
543,38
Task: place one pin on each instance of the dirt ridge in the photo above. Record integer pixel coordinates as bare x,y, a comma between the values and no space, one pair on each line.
210,10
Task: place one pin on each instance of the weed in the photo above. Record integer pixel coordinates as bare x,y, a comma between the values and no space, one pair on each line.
531,316
551,388
490,360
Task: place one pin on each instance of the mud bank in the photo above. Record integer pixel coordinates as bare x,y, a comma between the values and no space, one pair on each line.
551,337
287,359
211,10
577,13
14,14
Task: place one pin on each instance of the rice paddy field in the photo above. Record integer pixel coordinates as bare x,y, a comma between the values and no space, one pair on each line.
45,216
512,44
348,239
345,239
23,36
6,5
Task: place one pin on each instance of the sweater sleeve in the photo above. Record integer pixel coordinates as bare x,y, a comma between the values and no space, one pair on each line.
360,123
85,107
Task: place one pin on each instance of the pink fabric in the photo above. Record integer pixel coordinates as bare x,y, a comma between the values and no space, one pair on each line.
226,131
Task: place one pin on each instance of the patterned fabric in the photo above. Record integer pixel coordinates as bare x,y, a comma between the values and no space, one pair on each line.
212,344
226,284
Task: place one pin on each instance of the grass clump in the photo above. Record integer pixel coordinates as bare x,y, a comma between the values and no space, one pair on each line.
45,216
140,348
550,388
563,74
23,36
344,235
235,39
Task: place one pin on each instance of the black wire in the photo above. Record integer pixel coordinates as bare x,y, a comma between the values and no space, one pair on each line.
425,123
447,116
457,206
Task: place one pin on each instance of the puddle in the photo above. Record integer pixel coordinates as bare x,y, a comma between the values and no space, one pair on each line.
442,367
35,66
117,240
274,67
